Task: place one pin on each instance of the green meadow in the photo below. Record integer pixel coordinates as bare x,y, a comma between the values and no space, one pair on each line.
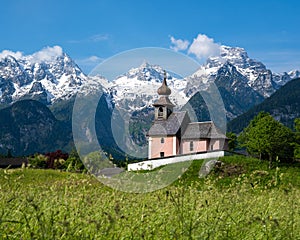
242,199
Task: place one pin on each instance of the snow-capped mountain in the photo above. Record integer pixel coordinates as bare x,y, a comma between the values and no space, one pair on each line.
259,78
137,88
51,75
47,75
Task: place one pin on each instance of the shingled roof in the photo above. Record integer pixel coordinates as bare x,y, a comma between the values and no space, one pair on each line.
174,125
197,130
163,101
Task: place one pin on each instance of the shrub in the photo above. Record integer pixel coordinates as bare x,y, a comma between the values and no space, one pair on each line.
37,161
54,157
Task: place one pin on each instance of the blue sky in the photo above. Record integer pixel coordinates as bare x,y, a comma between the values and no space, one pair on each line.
93,30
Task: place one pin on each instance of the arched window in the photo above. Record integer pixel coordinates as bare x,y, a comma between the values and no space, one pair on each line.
160,112
191,146
162,140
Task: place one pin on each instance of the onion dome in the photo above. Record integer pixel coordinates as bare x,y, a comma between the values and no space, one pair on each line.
164,89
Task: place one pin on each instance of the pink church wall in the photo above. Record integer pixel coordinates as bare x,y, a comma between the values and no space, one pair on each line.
214,144
167,147
198,146
218,144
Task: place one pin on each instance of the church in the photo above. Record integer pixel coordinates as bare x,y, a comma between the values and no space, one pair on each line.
173,133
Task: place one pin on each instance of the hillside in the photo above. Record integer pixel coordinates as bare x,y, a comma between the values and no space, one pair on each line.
242,200
283,105
28,126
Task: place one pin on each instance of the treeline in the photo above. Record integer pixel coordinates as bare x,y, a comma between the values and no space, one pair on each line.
283,104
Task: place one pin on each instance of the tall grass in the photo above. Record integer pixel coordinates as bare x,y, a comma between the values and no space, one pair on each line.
256,203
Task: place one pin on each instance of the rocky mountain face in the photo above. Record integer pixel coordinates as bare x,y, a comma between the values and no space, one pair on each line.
28,126
283,105
257,76
242,81
47,76
51,77
137,89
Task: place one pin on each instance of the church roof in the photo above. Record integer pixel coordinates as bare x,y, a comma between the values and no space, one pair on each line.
197,130
174,125
163,101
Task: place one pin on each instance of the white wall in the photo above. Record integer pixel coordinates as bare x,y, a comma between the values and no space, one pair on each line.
151,164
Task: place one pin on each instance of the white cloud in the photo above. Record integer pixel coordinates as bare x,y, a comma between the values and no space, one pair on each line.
94,38
6,53
204,47
92,59
179,44
46,54
87,64
99,37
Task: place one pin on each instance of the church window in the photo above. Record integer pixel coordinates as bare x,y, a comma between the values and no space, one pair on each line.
191,146
162,140
160,112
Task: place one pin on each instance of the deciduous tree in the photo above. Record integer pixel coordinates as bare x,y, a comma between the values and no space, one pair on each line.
268,138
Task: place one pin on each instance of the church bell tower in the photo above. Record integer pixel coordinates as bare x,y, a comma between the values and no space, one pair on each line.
163,106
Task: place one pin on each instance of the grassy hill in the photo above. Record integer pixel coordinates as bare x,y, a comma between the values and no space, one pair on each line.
242,199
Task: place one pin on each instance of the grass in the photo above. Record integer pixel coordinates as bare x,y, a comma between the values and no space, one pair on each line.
241,200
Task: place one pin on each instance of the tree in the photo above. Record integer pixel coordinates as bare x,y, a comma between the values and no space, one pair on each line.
232,140
246,137
268,139
297,138
9,154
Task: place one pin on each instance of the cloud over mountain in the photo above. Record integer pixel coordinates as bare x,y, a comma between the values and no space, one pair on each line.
6,53
46,54
202,46
179,44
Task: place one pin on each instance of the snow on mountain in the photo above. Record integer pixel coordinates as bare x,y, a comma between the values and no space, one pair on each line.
137,88
259,77
49,74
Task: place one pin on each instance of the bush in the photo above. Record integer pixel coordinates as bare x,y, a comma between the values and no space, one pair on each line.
73,163
57,160
37,161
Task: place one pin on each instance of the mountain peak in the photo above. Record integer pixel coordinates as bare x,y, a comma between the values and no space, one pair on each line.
146,72
236,56
49,73
233,52
47,54
7,53
145,64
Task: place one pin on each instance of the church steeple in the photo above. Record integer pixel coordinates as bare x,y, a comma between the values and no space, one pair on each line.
164,89
163,107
